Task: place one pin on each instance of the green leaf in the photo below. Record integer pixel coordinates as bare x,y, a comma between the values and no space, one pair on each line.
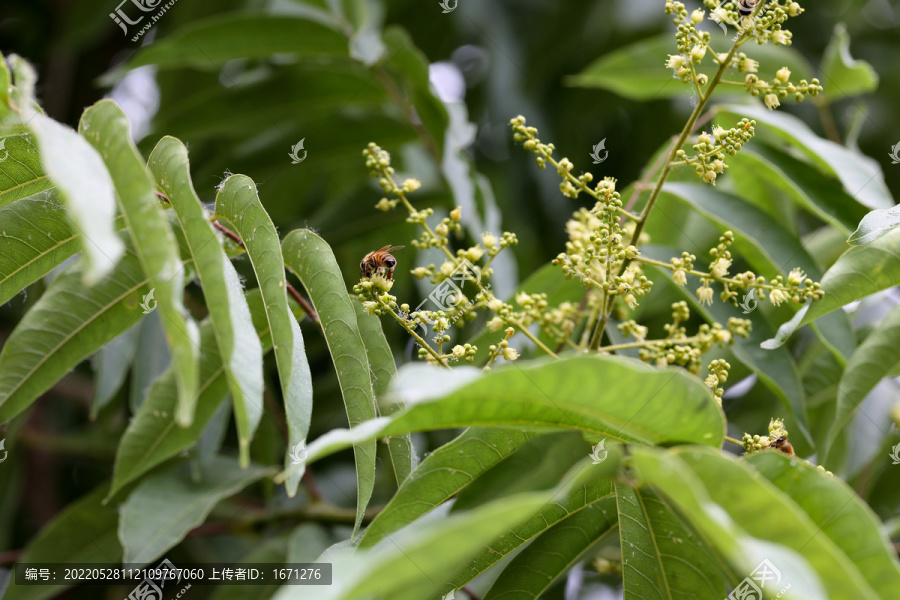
874,225
208,44
583,485
381,362
312,260
165,506
859,272
239,347
415,562
36,238
875,359
306,543
106,128
662,556
86,186
444,473
838,512
153,436
83,532
553,552
238,202
749,519
67,324
111,365
860,176
603,396
844,76
21,173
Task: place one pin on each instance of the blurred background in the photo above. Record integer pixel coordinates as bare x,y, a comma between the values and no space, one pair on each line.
487,60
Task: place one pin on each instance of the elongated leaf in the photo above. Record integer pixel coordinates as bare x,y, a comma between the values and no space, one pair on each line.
725,499
837,510
311,259
875,359
153,436
584,484
21,173
84,532
662,557
238,202
553,552
67,324
859,175
444,473
106,128
844,76
161,511
415,562
381,362
209,43
239,347
86,185
874,225
603,396
111,367
35,238
859,272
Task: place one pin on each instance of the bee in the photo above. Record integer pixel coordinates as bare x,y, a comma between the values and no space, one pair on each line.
783,445
745,7
379,260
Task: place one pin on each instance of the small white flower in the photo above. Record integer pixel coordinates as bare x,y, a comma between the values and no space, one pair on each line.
772,101
705,294
510,354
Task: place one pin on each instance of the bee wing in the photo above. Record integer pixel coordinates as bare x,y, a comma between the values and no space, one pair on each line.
393,248
383,249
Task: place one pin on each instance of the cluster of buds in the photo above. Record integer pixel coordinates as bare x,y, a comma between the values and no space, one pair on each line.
691,42
718,374
755,443
709,162
780,87
374,294
503,349
765,23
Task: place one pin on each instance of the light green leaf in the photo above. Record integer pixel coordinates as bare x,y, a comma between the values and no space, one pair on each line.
208,44
416,561
662,556
83,532
306,543
844,76
105,126
381,362
239,347
67,324
859,272
238,202
839,512
603,396
444,473
875,359
860,176
86,186
152,436
21,173
165,506
312,260
553,552
874,225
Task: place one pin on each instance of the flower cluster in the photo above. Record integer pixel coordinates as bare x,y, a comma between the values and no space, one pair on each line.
755,443
764,24
718,374
709,162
